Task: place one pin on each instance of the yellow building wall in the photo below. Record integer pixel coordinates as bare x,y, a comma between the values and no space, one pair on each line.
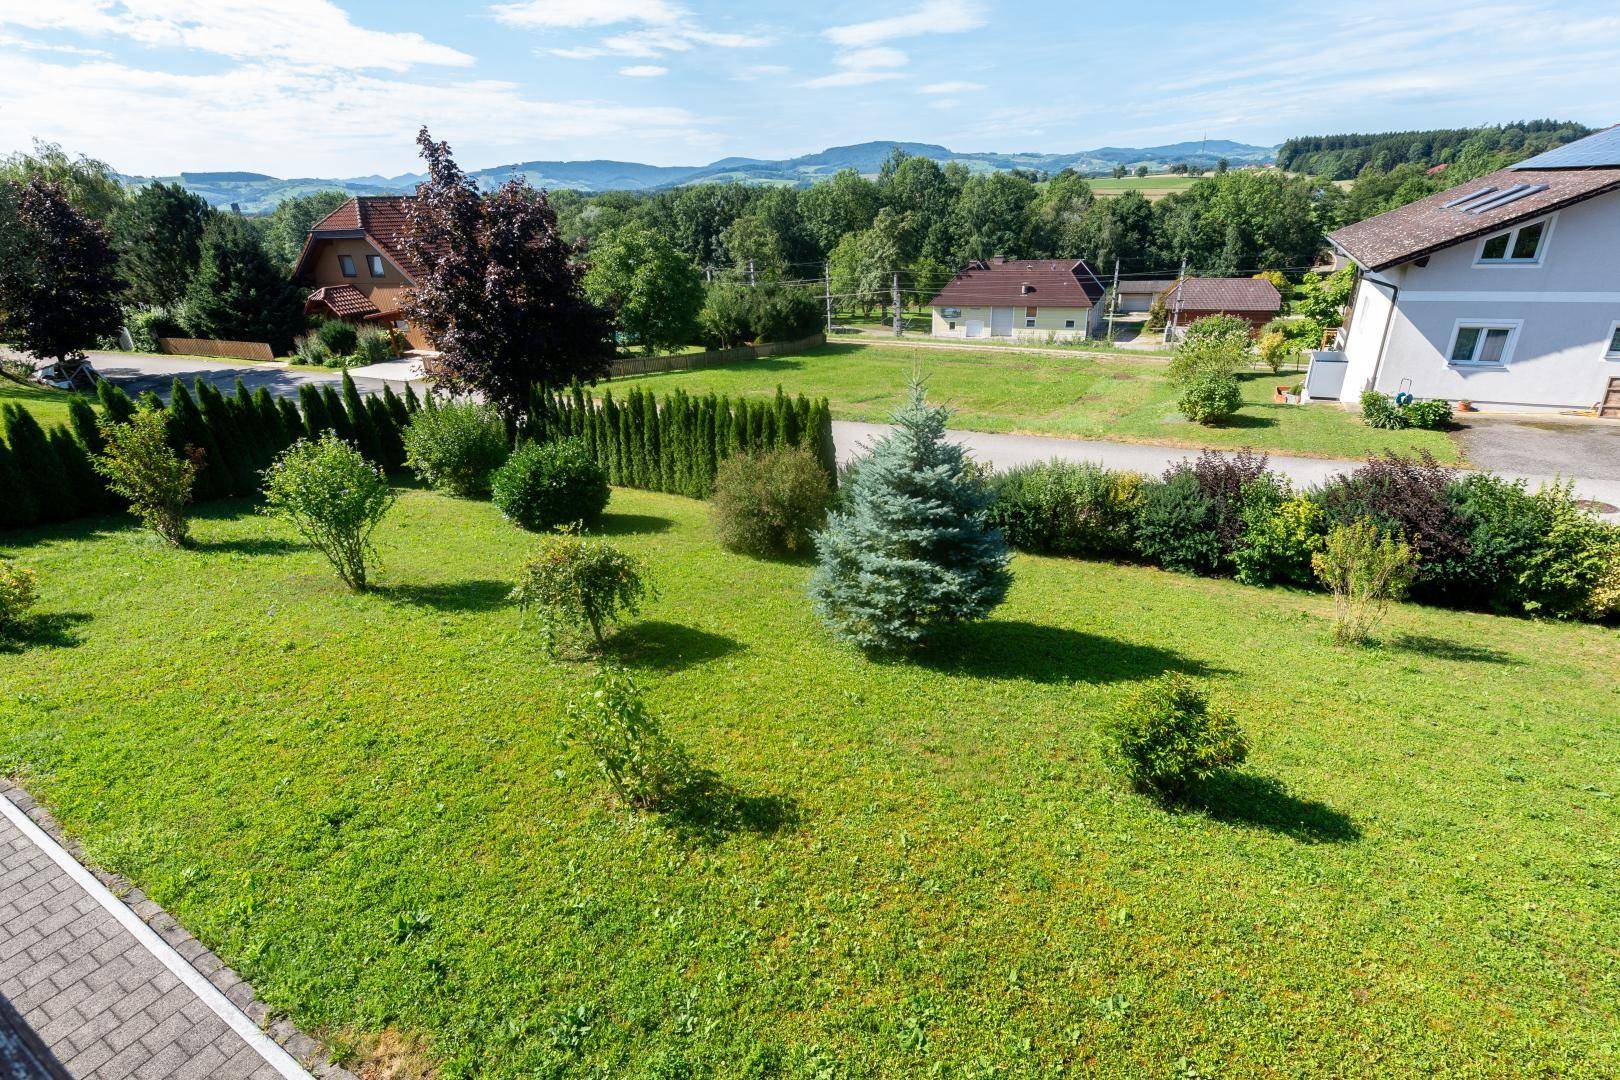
1049,322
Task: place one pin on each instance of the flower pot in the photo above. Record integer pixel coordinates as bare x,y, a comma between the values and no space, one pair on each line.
1465,406
1280,397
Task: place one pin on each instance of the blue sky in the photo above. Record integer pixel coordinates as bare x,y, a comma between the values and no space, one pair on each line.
338,87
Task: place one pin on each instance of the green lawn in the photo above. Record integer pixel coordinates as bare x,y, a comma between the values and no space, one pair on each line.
1124,399
1154,187
370,807
48,405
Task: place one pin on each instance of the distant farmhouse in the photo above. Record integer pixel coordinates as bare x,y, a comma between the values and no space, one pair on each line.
1033,299
1138,295
355,259
1504,291
1253,299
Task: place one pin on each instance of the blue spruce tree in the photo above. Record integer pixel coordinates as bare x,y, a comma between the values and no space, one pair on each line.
910,550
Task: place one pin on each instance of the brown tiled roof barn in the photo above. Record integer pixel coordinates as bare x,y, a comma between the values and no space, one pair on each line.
1225,294
1022,283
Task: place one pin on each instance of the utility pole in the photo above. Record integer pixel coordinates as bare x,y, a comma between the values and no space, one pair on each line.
826,288
896,293
1113,302
1175,318
751,281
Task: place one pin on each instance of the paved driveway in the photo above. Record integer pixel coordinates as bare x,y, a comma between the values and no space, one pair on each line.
1522,444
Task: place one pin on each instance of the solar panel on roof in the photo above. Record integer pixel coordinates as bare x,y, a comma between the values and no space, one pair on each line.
1592,152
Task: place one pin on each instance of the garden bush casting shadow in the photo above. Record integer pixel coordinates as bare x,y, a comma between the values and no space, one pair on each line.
668,647
49,630
474,594
1238,798
1014,649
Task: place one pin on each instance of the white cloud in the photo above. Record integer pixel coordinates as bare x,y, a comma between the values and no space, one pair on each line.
754,72
933,17
288,121
862,67
957,86
309,33
555,14
644,71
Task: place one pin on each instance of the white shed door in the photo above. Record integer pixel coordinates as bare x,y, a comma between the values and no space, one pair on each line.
1001,322
975,328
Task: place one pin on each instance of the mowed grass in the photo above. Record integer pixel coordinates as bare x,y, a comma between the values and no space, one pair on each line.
1126,398
1152,187
372,808
49,405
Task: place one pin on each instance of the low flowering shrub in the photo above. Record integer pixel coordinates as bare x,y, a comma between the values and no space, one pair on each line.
334,497
577,588
455,446
1279,542
769,503
1165,737
18,593
1365,568
543,485
1067,508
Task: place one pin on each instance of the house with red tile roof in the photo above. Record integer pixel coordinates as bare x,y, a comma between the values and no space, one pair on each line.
1029,299
355,263
1254,299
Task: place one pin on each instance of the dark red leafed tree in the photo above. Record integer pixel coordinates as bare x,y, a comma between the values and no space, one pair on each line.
59,283
498,293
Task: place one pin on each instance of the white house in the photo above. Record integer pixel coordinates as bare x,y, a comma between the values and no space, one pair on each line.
1035,299
1504,291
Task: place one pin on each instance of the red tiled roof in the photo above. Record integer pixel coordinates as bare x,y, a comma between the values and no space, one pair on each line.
1051,283
344,301
1225,294
382,219
1424,227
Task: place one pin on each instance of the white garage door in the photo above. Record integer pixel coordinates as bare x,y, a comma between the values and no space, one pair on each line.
1001,319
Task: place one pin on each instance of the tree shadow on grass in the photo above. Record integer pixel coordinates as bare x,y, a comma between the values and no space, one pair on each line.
1440,648
707,810
1242,420
56,630
262,545
631,524
1237,798
475,594
667,646
1003,649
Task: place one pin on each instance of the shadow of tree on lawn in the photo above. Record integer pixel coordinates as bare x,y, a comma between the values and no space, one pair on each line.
54,630
667,646
475,594
1439,648
1238,798
262,545
631,524
705,809
1013,649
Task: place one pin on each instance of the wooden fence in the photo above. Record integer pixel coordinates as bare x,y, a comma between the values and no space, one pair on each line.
234,350
648,365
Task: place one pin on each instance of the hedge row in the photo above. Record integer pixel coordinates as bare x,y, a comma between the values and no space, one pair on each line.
46,476
677,445
1482,542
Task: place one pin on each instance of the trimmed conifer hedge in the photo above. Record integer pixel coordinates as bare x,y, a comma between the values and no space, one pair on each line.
45,476
676,445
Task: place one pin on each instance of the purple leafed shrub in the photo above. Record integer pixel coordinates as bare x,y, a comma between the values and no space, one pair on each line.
1411,496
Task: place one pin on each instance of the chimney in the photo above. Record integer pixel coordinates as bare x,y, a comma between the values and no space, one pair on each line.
997,260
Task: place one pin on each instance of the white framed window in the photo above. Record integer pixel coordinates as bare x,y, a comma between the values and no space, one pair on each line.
1522,245
1483,342
1613,351
374,263
346,266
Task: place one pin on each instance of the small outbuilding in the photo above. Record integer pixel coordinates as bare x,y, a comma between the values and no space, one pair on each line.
1254,299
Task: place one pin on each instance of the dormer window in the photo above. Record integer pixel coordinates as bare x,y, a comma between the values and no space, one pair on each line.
346,266
1028,288
1521,246
374,263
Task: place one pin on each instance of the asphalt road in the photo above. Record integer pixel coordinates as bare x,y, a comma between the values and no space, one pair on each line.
1538,450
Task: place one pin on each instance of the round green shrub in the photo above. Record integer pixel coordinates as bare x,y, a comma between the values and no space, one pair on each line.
334,497
1210,397
455,446
1380,411
1067,508
543,485
1176,525
1164,738
338,336
769,503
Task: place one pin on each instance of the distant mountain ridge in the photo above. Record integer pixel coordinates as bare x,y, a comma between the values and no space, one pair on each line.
258,193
